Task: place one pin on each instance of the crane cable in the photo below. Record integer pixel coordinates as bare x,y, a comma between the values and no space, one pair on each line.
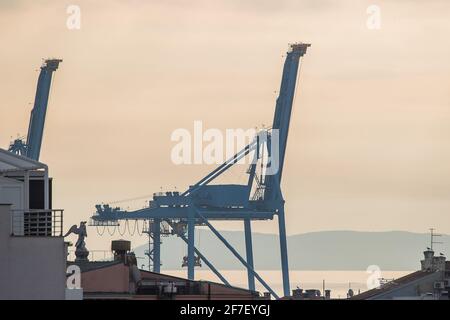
124,229
98,232
139,230
109,232
128,227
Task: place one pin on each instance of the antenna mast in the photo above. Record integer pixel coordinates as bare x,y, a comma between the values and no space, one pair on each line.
432,236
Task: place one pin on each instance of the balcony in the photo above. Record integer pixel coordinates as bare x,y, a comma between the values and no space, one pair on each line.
37,223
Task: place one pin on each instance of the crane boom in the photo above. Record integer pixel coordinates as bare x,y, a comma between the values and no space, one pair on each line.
31,148
37,117
282,115
283,109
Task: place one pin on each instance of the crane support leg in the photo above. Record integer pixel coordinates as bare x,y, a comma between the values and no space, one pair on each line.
204,259
284,253
237,255
191,244
249,253
208,264
157,245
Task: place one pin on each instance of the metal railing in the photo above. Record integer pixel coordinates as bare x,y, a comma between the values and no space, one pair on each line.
103,223
94,255
37,223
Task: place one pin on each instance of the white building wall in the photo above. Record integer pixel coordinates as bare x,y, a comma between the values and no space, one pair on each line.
12,192
30,267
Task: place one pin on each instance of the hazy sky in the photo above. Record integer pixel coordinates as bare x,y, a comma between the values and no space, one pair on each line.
370,132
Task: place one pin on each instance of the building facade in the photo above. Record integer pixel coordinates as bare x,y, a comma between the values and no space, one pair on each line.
32,250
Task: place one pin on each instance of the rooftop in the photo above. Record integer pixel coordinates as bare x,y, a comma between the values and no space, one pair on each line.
394,284
10,162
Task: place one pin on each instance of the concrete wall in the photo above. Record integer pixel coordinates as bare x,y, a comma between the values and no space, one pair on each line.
30,267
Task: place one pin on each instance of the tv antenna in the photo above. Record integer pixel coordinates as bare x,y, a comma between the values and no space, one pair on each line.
432,236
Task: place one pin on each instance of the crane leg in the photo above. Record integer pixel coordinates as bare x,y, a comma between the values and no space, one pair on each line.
191,244
157,246
249,254
284,253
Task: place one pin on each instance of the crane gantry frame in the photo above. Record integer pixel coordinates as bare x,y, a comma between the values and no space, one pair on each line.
203,202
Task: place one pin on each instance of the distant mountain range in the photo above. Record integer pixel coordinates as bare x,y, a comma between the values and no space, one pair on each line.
326,250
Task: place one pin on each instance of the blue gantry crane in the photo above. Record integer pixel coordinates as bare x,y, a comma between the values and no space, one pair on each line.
261,198
31,148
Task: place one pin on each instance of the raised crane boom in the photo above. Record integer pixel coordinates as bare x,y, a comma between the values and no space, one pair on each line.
37,118
283,109
32,147
282,116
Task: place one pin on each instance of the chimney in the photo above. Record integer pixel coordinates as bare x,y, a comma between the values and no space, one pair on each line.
120,248
427,262
432,262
